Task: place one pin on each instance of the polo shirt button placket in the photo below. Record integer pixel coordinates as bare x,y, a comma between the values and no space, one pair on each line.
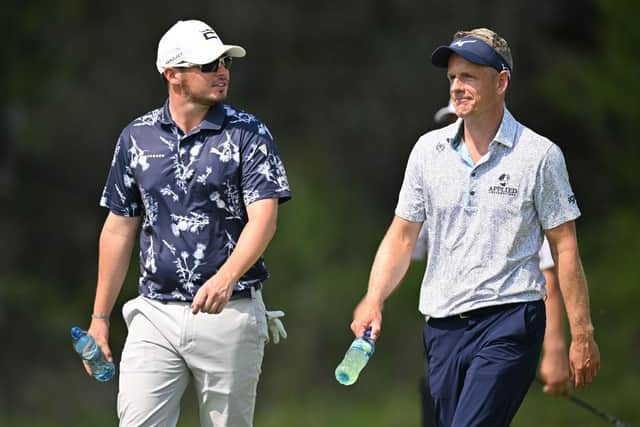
472,191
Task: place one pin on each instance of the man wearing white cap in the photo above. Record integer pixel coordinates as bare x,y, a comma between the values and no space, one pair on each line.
201,181
487,188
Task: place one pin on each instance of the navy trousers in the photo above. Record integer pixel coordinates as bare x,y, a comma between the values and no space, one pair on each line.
482,363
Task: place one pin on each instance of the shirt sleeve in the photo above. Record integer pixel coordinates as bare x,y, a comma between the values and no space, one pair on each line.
121,194
554,198
411,201
263,173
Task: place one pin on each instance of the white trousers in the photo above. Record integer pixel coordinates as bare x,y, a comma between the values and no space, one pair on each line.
166,344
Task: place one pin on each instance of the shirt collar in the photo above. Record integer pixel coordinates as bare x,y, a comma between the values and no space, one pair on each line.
214,118
454,135
506,134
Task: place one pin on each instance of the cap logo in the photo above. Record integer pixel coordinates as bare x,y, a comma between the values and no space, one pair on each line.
209,34
460,43
173,58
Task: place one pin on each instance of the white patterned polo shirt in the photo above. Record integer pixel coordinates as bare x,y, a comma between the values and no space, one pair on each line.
484,223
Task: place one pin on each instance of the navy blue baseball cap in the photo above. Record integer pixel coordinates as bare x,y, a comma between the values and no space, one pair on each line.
473,50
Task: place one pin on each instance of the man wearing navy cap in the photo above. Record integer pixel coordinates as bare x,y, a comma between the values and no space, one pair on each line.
201,182
487,190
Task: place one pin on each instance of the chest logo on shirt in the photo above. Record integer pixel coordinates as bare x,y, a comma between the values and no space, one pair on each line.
503,188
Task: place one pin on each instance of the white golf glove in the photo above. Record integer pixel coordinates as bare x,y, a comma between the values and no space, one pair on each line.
276,327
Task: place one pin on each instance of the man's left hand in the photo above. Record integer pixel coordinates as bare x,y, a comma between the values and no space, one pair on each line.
584,358
212,296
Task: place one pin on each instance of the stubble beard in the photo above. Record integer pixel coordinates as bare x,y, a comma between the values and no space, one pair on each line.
196,98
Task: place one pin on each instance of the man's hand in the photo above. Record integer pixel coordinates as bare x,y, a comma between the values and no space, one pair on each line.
99,330
276,327
389,267
212,296
368,314
584,358
554,372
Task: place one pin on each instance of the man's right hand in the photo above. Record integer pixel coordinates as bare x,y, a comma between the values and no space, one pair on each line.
99,330
367,314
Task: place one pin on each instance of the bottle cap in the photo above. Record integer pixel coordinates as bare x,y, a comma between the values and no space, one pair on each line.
76,332
367,338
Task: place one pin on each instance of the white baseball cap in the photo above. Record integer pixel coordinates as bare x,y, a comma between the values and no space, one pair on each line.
192,42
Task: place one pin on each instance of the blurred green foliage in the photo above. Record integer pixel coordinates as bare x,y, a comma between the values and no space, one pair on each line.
346,88
596,91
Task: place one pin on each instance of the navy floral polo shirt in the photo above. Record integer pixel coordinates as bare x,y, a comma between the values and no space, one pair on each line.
192,190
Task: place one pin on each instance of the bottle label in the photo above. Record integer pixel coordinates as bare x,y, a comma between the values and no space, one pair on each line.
363,345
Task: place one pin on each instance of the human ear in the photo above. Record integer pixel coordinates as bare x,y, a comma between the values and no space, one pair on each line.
171,74
502,82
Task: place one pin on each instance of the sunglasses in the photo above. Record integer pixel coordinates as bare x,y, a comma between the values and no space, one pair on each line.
213,66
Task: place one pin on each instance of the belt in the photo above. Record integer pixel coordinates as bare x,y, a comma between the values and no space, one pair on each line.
246,292
478,312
